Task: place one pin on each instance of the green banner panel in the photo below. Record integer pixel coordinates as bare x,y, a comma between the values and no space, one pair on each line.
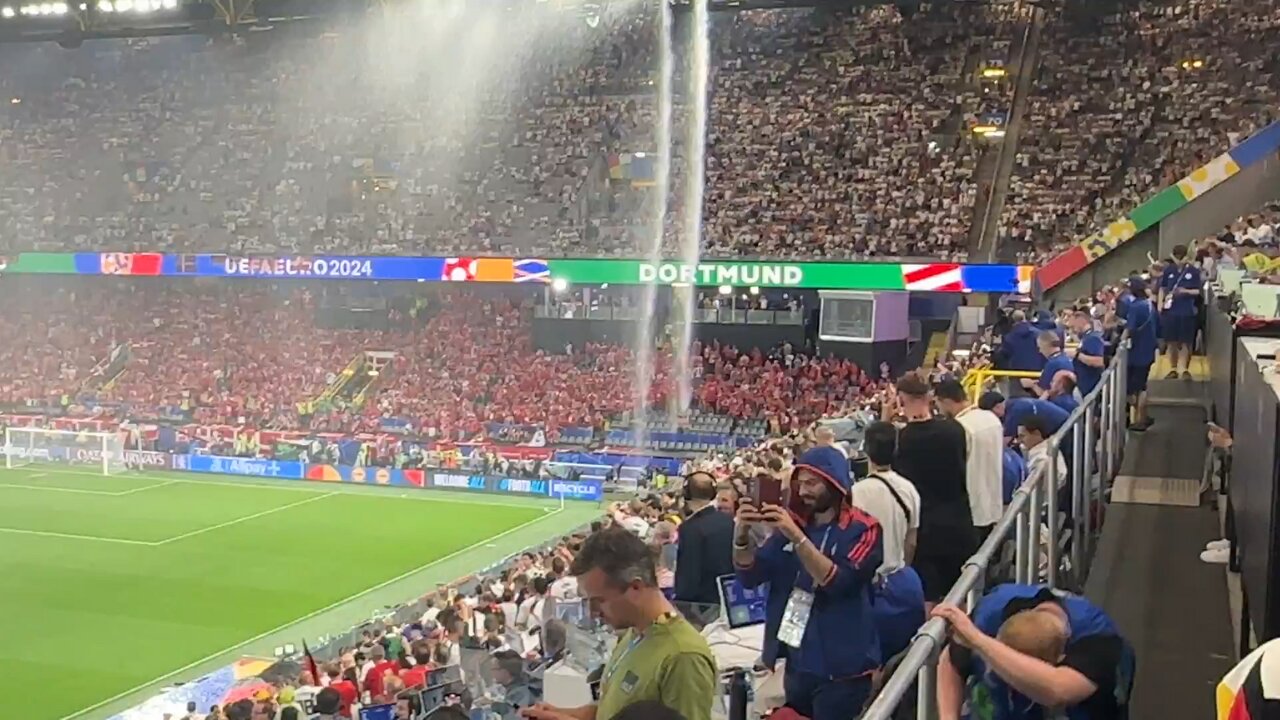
1157,208
42,263
848,276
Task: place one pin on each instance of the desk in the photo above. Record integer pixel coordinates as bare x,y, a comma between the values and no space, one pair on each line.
1255,486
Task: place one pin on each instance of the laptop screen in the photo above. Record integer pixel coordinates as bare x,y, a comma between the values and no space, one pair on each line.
743,606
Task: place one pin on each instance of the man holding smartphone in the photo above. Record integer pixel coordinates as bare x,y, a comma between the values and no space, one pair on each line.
820,561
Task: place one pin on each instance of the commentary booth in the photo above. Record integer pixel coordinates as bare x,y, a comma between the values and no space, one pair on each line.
1245,399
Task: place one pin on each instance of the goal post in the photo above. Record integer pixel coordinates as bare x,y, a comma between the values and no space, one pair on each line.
30,445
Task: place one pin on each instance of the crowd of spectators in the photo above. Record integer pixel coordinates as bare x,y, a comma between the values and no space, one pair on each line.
258,356
1126,103
829,134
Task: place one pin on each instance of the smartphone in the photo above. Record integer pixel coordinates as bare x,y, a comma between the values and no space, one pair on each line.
766,490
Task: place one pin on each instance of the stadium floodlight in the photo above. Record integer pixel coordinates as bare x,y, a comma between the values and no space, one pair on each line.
7,12
60,8
124,5
726,290
559,285
170,4
106,6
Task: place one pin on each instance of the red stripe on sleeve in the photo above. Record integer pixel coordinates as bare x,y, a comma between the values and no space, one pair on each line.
865,544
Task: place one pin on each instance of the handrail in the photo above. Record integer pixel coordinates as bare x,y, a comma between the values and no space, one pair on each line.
1100,419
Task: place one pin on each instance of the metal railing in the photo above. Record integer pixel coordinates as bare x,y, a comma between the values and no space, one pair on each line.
1097,425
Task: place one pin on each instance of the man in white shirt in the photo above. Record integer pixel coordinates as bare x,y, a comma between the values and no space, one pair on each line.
629,517
984,464
899,607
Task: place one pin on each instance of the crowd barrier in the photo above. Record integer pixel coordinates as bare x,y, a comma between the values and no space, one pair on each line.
1094,435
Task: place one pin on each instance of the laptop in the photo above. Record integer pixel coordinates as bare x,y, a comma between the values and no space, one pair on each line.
742,606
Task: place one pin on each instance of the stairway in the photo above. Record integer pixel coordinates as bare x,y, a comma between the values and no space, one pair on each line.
1024,68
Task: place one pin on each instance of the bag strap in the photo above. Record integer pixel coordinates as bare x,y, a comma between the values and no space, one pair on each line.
901,503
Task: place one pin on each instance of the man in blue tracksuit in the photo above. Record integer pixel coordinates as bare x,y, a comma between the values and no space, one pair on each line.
820,562
1029,652
1090,359
1018,349
1055,361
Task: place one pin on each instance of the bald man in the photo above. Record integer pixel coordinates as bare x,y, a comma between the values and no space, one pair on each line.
705,547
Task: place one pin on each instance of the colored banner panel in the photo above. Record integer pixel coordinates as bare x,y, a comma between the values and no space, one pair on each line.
1159,207
940,277
367,475
40,263
592,490
866,276
252,467
1257,148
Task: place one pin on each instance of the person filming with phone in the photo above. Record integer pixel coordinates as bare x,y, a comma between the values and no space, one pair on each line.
820,561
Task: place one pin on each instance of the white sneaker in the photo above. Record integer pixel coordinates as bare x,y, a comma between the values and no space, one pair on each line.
1216,556
1217,544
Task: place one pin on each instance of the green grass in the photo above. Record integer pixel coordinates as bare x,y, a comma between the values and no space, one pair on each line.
109,585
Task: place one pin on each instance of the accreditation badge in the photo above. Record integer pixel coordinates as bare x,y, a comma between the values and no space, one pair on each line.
795,617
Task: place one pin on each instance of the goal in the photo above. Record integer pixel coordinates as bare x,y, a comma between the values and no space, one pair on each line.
27,445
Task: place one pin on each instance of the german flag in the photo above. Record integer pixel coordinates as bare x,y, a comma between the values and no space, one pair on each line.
1251,691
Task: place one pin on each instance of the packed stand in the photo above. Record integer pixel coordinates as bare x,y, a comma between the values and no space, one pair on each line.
839,133
1126,104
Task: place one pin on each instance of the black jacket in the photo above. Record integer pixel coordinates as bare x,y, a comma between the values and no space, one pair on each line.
705,552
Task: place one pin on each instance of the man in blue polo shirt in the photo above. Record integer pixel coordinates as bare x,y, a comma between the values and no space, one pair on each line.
1090,358
1014,410
1141,323
1055,361
1180,285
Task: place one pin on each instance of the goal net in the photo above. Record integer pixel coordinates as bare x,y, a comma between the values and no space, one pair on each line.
28,445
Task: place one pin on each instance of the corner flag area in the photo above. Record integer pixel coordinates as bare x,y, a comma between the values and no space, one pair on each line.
115,586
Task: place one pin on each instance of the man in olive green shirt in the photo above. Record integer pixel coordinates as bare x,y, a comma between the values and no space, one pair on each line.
659,657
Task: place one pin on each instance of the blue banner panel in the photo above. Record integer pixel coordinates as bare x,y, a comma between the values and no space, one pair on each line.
520,486
578,490
255,467
324,266
456,481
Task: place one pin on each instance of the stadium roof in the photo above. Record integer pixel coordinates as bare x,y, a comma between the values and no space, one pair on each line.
69,22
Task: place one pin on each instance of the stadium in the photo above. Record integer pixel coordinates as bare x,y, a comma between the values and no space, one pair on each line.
342,339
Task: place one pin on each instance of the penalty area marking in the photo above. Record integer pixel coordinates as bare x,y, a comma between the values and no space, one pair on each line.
308,616
73,536
84,491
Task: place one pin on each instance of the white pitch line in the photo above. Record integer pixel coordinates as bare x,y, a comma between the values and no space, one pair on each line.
47,488
144,488
313,487
83,491
310,615
246,518
72,536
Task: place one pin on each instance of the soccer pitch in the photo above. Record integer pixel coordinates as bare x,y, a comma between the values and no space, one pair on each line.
112,587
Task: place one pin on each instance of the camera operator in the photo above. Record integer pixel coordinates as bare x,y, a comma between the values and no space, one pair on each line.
933,454
705,548
820,563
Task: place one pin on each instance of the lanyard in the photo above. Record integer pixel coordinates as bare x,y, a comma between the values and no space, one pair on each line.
613,666
821,548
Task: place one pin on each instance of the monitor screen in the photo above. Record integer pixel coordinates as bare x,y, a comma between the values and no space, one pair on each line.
378,712
571,612
743,606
